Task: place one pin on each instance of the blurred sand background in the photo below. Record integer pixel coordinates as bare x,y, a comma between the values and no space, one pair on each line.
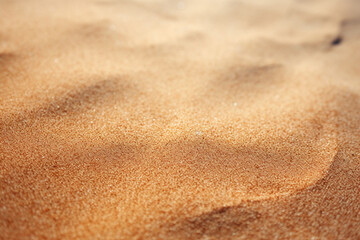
185,119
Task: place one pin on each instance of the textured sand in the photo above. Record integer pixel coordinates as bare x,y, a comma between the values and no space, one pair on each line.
179,119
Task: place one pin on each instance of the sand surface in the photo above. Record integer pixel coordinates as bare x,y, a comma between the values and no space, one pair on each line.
185,119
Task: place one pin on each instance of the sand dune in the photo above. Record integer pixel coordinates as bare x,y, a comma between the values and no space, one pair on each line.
170,119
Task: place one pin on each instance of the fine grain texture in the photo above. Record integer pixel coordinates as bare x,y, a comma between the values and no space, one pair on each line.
164,119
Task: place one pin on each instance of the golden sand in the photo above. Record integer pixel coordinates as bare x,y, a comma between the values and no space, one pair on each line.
179,119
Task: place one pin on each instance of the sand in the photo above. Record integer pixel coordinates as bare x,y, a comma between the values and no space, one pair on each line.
179,119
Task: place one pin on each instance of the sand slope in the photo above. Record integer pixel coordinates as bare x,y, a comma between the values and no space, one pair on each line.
170,119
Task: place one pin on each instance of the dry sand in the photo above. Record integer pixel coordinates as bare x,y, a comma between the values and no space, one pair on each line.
179,119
